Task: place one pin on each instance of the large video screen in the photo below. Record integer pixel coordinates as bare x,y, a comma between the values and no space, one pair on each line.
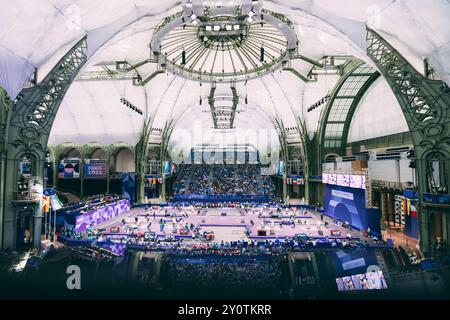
366,281
346,204
69,169
357,181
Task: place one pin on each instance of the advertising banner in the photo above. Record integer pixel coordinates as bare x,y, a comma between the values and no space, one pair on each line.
69,169
95,169
96,217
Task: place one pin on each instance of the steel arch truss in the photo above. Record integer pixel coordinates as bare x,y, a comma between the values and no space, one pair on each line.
426,106
425,102
336,119
27,129
37,107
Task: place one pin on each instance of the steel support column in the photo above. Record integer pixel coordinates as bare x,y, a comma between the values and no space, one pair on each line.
5,106
284,153
166,135
141,157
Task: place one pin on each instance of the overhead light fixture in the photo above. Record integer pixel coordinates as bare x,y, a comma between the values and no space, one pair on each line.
229,27
236,27
216,28
208,28
183,57
195,22
193,16
250,20
251,14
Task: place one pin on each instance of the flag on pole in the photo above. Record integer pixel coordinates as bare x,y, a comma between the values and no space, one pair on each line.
56,203
46,204
413,211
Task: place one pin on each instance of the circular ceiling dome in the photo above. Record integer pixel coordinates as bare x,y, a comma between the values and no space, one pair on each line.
224,48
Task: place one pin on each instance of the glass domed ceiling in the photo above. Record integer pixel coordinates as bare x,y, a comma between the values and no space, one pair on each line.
224,48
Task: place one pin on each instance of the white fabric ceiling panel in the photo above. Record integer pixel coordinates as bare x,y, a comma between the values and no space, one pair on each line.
378,114
424,32
92,112
311,93
40,32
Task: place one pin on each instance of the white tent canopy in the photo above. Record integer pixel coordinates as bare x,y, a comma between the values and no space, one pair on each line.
37,34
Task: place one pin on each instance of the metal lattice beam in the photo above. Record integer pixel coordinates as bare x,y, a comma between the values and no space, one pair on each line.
28,127
36,109
425,105
424,102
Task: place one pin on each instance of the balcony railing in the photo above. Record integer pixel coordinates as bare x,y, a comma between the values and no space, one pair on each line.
26,196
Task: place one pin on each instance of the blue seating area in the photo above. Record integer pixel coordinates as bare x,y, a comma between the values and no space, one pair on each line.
223,183
68,213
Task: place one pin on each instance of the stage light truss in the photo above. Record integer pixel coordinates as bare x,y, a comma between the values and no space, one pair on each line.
128,104
322,101
223,108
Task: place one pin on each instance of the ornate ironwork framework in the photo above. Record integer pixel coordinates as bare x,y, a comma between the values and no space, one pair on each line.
425,104
27,131
357,77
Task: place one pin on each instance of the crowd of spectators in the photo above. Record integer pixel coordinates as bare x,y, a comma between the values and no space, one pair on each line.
238,273
223,179
89,204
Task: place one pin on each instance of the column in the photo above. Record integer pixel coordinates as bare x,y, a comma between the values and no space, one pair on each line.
38,214
9,216
2,193
383,205
424,219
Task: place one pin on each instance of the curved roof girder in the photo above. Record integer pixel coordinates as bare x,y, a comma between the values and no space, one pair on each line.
335,121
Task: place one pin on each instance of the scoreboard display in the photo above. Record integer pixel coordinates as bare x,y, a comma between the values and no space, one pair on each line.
356,181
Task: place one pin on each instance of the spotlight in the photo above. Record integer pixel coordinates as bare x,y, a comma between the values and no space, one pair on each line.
208,28
410,154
